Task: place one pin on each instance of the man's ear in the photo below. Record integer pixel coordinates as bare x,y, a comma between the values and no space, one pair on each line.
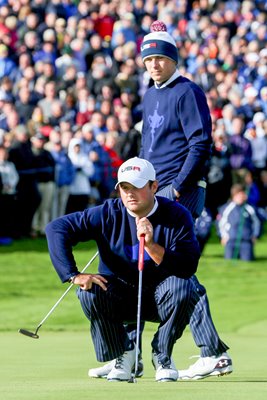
155,186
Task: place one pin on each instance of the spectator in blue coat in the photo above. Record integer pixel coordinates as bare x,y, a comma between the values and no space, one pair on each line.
7,65
239,226
64,176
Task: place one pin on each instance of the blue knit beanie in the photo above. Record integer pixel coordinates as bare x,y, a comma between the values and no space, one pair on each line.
159,43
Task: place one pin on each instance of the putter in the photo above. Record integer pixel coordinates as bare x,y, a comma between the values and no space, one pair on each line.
139,303
34,335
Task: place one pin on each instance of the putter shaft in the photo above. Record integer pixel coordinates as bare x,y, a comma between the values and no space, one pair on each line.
139,299
34,335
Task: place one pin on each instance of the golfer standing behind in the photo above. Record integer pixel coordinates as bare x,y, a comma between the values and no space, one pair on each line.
176,139
109,298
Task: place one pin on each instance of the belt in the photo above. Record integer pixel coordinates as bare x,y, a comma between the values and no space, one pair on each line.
202,184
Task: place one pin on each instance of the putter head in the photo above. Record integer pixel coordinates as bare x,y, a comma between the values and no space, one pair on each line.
28,333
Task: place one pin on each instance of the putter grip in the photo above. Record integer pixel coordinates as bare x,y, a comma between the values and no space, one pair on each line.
141,253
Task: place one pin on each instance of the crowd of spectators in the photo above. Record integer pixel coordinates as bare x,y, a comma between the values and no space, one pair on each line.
71,88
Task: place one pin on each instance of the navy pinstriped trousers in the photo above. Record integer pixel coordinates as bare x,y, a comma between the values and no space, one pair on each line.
170,304
201,325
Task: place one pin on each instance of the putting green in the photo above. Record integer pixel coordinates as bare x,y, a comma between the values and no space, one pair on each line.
55,367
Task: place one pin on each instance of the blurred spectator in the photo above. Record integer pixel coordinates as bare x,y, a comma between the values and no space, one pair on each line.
219,178
36,121
106,108
259,119
24,104
104,22
112,123
70,110
252,188
84,115
263,99
91,147
45,175
64,175
67,72
6,86
57,113
263,190
95,47
99,75
30,23
7,65
258,143
124,30
31,42
45,69
110,146
239,226
46,104
11,118
80,188
47,52
129,141
28,195
241,151
127,78
98,122
9,180
80,49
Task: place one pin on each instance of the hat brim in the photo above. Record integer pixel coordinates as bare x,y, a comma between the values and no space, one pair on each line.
137,182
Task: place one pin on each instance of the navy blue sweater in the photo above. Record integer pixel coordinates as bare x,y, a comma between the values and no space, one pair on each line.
114,231
176,133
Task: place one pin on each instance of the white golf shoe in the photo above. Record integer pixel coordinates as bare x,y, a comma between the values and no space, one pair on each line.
164,372
208,366
122,369
102,372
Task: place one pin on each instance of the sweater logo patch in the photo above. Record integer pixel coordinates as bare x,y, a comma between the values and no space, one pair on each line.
155,121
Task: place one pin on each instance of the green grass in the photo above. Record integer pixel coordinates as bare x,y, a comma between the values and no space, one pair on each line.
55,366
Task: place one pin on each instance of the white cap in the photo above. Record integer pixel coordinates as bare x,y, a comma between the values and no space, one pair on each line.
137,172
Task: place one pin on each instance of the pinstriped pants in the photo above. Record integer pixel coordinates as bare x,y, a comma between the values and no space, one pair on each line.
170,303
201,324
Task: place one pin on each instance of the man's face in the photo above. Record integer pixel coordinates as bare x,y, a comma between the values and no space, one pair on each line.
138,201
160,68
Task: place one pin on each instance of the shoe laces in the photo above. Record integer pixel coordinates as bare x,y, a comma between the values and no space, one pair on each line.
119,362
165,366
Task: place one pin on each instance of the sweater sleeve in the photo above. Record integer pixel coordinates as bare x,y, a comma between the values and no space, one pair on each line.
196,124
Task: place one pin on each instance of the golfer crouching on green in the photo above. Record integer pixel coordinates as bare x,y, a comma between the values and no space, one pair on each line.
109,298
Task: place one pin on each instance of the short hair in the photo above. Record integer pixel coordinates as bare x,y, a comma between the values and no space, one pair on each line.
237,188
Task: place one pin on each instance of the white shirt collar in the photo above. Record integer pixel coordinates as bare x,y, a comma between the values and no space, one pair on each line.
156,204
172,78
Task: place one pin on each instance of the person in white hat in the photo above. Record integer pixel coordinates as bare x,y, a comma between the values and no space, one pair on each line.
109,297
